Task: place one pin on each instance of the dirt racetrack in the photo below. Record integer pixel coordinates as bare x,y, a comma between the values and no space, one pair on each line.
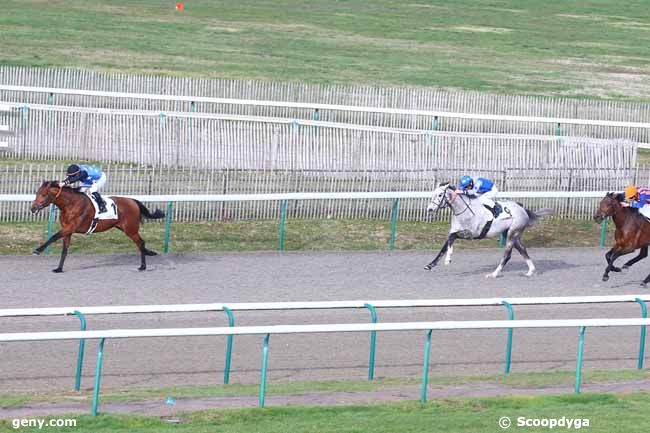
272,277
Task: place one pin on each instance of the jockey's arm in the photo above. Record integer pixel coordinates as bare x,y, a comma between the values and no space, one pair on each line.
75,178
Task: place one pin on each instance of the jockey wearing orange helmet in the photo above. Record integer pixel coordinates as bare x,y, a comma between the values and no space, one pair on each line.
637,197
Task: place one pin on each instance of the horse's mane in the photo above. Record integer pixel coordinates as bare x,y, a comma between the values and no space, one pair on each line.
618,196
57,184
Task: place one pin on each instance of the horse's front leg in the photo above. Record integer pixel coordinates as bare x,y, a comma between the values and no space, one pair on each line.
611,256
452,237
64,252
642,255
55,237
450,248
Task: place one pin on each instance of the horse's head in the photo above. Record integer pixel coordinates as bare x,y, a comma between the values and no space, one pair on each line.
609,205
45,195
440,198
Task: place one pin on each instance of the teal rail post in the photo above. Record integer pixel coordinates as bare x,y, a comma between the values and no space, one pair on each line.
558,130
644,314
98,375
603,232
502,240
435,125
425,369
393,223
511,316
283,218
50,99
80,356
265,356
50,227
226,370
581,344
373,341
315,115
168,224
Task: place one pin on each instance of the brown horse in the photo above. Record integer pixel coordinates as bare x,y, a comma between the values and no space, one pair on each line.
78,212
632,232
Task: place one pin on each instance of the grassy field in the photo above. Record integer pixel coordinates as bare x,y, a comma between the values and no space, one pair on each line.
605,414
300,235
537,380
590,48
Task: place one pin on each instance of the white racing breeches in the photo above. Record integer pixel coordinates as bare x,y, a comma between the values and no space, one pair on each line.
489,197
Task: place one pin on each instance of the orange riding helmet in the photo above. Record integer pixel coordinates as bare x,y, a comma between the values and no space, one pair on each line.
631,192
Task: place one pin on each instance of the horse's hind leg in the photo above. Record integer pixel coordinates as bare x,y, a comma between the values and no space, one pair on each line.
519,245
135,237
642,255
507,254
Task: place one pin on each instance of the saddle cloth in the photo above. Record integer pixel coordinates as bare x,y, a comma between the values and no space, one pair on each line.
111,209
645,211
502,211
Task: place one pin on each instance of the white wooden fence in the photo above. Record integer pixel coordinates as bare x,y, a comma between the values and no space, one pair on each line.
212,141
25,179
179,93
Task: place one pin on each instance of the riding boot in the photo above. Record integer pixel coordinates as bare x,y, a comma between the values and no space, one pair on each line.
100,202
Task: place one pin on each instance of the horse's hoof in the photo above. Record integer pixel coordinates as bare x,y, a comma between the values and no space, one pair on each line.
142,268
36,253
57,270
644,285
490,276
448,263
428,267
529,274
150,253
605,278
625,267
616,269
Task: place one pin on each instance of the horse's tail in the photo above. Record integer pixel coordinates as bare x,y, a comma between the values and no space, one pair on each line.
144,212
539,213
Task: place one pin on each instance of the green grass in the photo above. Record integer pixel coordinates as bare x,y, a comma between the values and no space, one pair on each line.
513,380
301,235
592,48
605,414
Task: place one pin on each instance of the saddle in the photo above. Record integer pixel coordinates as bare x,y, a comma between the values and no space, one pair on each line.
496,210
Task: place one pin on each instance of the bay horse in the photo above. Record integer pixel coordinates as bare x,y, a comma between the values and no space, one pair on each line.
78,212
632,232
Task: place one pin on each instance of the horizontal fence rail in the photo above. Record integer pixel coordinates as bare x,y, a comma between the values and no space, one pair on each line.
266,306
371,305
184,94
24,178
324,107
284,198
212,141
102,335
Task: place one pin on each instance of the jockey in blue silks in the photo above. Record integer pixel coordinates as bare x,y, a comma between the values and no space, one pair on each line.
482,188
91,179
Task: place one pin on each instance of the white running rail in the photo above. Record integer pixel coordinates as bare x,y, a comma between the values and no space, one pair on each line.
315,106
323,196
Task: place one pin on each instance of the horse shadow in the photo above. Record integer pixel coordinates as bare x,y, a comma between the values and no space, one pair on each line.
541,266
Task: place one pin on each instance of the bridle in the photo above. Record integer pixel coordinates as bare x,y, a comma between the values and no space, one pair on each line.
447,203
51,196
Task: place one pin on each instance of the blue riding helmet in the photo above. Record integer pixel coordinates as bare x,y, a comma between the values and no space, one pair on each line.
466,182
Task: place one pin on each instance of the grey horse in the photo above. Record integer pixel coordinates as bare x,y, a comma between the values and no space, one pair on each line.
470,221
